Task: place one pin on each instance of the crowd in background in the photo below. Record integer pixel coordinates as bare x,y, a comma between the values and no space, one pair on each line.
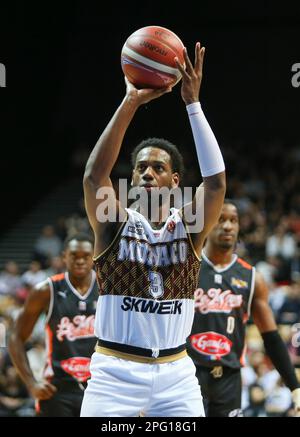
264,182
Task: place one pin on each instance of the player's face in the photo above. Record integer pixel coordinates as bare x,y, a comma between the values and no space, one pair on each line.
153,170
78,258
225,233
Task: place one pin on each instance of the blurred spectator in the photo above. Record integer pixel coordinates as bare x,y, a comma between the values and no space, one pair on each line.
34,275
289,312
56,266
14,398
77,224
268,268
257,397
278,401
281,243
248,378
47,245
277,297
10,280
295,266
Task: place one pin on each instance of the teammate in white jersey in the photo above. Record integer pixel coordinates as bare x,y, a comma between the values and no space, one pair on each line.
148,270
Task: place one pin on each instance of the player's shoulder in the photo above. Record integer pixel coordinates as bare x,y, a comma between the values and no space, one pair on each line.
244,264
41,287
57,278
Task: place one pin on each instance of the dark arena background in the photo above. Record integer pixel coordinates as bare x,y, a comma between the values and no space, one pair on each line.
64,81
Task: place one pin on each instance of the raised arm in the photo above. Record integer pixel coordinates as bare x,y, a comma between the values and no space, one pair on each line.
36,303
208,152
107,149
276,349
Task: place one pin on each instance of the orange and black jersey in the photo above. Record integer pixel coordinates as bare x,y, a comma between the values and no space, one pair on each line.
70,338
222,307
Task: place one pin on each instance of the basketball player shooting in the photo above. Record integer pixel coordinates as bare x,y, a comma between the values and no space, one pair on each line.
147,272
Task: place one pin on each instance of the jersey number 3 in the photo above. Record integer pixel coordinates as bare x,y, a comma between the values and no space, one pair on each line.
156,287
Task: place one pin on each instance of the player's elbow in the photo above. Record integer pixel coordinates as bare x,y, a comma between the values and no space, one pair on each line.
17,336
89,177
94,174
216,183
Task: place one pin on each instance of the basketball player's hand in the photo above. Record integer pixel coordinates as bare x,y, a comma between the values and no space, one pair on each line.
42,390
139,97
191,75
296,400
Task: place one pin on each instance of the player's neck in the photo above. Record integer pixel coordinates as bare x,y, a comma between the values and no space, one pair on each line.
218,256
159,217
81,284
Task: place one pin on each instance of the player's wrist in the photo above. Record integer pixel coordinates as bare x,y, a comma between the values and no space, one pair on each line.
192,101
191,107
131,103
31,383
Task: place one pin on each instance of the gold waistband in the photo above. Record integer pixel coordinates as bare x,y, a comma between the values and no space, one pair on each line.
138,358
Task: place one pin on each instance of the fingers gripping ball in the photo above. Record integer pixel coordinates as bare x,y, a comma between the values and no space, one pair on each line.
147,57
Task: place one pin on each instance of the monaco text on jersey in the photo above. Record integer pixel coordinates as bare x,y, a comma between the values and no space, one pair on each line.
158,255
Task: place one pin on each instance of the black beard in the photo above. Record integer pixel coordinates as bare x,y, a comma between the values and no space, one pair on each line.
226,245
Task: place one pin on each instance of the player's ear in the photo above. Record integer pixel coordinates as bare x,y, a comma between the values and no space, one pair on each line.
176,180
132,175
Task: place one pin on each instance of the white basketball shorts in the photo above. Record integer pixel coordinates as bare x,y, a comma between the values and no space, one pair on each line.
123,388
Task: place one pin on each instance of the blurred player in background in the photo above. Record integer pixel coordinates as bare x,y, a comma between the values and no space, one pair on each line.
69,299
146,274
229,291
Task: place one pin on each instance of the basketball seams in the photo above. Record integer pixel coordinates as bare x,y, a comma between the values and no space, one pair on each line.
150,63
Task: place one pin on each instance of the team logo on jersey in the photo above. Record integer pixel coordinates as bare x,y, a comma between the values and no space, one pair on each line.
78,367
80,327
136,228
218,278
82,305
239,283
211,343
171,226
216,301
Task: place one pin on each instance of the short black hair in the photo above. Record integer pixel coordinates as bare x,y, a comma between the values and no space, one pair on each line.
176,157
80,236
228,201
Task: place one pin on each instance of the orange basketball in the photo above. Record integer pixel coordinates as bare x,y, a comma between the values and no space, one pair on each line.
147,57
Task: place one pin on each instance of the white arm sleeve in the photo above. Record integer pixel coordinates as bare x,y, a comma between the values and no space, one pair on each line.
209,154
